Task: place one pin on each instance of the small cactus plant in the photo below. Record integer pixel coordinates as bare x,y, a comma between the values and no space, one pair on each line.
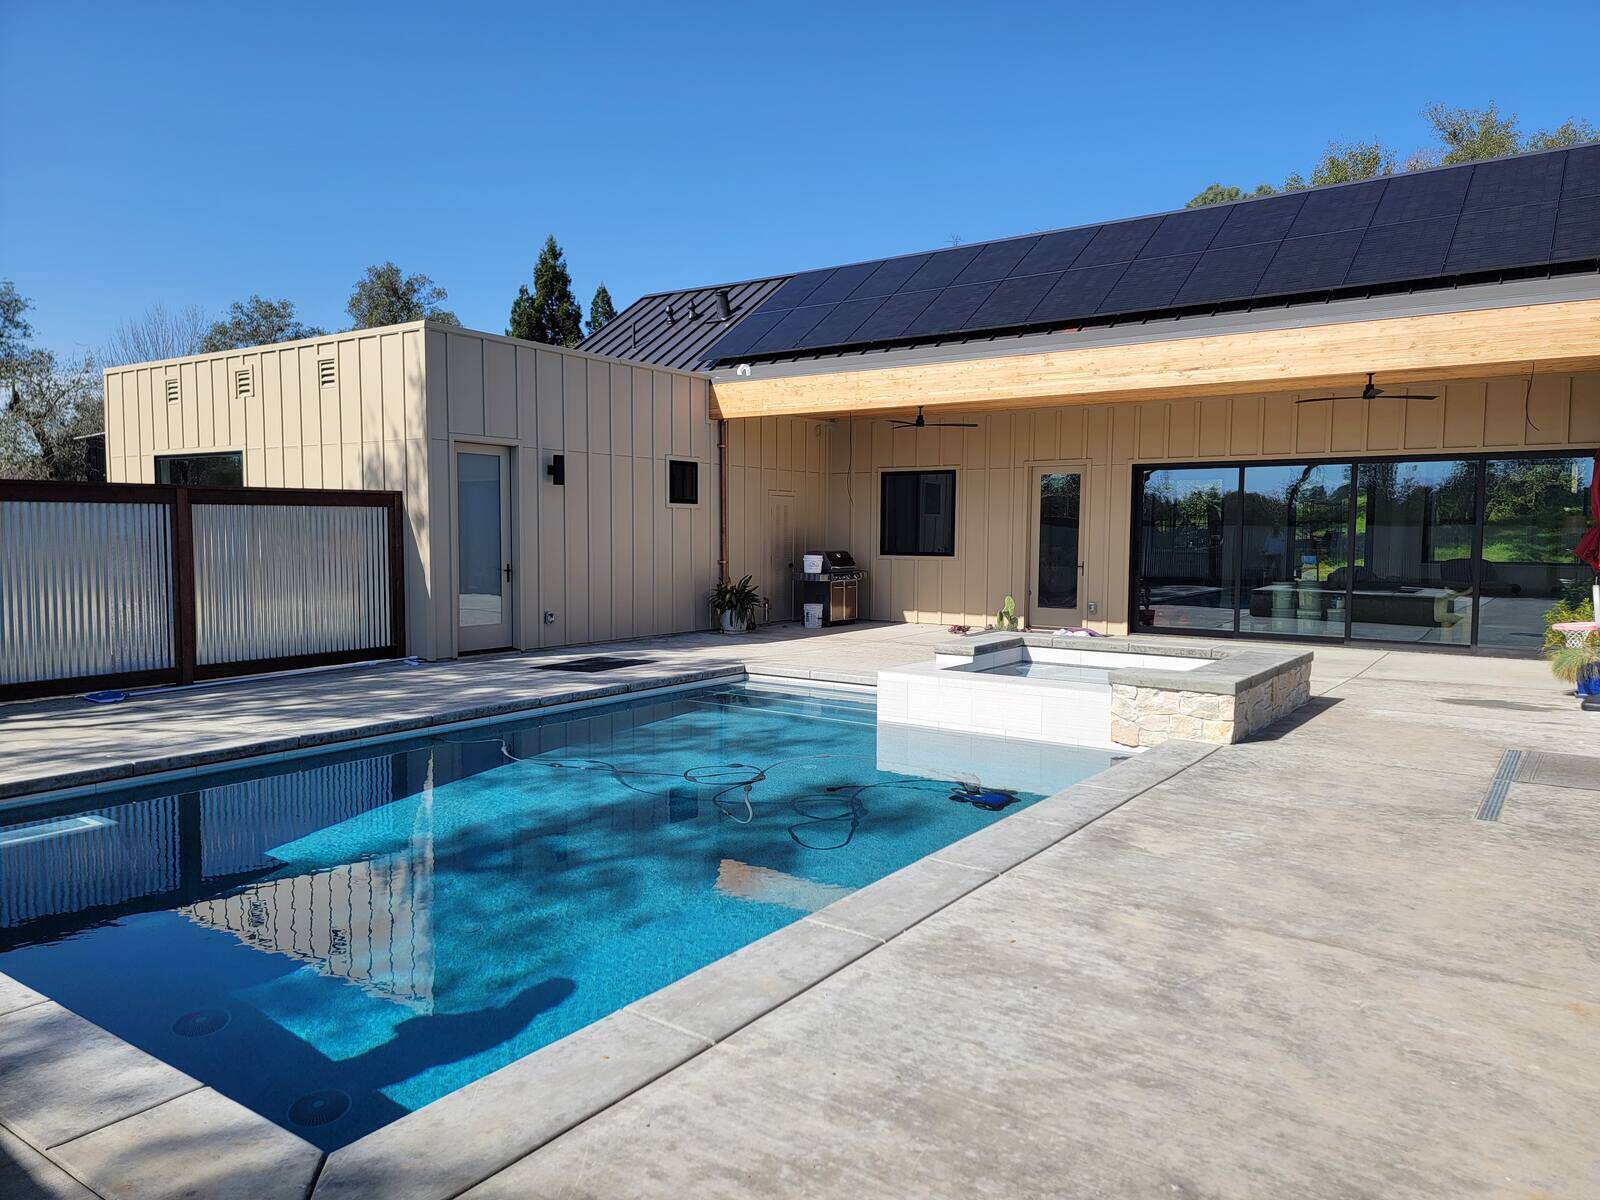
1006,618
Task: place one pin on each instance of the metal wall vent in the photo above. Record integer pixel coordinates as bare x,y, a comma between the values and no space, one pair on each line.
242,384
325,372
172,391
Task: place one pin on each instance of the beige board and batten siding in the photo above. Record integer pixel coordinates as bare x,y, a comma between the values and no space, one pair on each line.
1554,412
604,552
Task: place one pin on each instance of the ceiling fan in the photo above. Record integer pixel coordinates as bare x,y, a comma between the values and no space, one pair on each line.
1370,392
922,423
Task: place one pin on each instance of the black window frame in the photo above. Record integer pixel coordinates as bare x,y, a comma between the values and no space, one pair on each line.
166,460
883,505
675,477
1480,458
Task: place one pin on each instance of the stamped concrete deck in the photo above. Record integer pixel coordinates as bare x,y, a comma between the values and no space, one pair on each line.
1300,966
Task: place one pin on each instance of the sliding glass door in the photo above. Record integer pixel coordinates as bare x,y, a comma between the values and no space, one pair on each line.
1439,551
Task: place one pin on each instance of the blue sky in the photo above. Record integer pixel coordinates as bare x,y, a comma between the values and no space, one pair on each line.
198,153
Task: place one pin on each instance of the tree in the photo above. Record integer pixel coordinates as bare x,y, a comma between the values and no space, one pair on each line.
46,408
1463,134
601,310
161,332
256,322
550,314
385,296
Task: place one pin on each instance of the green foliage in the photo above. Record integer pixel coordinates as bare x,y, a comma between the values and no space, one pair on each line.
601,310
739,600
256,322
47,407
387,296
550,313
1568,662
1006,618
1462,135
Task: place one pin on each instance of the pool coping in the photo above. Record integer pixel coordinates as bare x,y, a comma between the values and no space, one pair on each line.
125,1123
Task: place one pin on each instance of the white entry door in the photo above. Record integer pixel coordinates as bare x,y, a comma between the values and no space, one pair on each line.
782,557
483,547
1057,546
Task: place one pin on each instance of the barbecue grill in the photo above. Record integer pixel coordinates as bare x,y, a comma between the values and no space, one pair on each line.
836,587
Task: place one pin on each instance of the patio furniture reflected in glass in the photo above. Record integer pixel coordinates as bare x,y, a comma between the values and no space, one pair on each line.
1295,549
1413,552
1534,512
1188,539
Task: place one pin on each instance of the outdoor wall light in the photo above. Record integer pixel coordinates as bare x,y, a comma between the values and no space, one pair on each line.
557,470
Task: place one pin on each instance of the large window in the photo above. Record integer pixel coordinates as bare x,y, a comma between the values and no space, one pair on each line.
919,513
1454,552
201,470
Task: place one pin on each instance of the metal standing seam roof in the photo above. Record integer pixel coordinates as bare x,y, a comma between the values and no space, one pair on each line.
675,329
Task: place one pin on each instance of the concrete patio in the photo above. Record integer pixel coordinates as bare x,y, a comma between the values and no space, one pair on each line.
1300,966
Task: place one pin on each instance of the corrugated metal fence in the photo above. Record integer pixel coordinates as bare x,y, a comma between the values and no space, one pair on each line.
139,584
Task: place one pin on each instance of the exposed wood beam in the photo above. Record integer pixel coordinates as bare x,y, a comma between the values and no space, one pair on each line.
1482,343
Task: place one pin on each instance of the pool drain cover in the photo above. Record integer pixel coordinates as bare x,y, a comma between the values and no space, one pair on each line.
319,1108
200,1022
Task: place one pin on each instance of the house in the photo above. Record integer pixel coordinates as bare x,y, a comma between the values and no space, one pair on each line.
1368,411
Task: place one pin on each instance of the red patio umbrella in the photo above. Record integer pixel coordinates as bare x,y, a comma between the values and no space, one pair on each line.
1588,547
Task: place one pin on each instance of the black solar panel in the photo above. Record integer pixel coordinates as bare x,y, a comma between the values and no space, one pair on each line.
1117,243
1487,237
1012,302
1532,180
1330,210
950,310
1149,283
996,261
1430,194
1414,250
1405,230
1577,229
1259,221
1582,176
1185,232
1056,251
1310,264
888,275
1227,274
942,268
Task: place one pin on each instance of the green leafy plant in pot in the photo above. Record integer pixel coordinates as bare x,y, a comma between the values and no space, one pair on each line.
736,603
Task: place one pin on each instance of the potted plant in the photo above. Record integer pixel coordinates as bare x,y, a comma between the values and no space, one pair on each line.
735,604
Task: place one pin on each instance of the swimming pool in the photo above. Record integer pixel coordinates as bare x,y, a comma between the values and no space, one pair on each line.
335,942
1030,668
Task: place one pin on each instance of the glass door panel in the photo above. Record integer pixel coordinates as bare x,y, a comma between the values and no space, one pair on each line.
1534,512
1294,553
1188,549
483,555
1058,549
1412,575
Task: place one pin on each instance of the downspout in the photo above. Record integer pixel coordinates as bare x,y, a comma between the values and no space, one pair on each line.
722,499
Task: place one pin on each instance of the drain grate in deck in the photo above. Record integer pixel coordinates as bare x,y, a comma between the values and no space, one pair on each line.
1489,810
591,665
1560,770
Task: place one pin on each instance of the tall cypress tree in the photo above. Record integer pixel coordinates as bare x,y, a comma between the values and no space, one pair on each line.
550,313
601,309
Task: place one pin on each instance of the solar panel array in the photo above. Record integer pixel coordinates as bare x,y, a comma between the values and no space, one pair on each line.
1507,214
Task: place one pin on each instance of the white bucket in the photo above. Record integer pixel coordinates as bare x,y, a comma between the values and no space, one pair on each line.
811,564
813,616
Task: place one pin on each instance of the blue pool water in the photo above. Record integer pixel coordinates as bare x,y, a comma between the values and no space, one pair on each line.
337,941
1066,672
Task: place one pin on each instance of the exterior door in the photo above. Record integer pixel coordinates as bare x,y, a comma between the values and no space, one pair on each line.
1057,545
778,587
483,547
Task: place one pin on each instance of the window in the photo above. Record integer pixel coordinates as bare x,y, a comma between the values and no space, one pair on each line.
201,470
172,390
919,513
1534,512
683,481
1188,546
326,376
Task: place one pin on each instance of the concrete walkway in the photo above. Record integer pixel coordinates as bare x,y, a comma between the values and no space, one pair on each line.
1301,967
